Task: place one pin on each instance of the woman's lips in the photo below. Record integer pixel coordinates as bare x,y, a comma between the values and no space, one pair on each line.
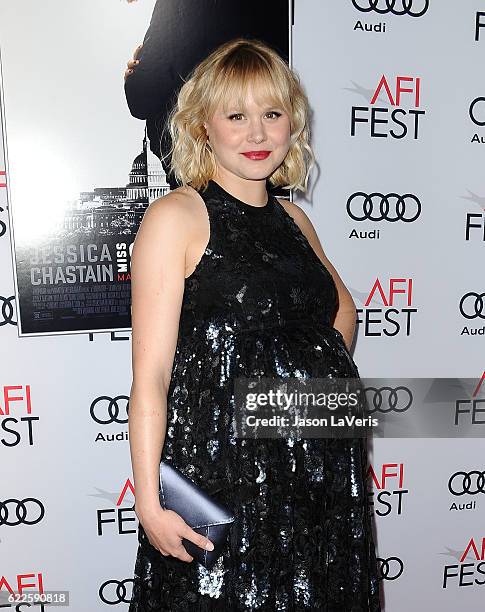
255,155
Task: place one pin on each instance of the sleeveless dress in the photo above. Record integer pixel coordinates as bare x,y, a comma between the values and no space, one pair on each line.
260,302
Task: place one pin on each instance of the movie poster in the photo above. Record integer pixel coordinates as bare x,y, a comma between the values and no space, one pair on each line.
84,148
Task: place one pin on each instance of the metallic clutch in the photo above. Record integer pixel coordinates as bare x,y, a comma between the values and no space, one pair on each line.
198,509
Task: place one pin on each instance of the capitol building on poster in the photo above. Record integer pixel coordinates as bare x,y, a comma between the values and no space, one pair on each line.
119,210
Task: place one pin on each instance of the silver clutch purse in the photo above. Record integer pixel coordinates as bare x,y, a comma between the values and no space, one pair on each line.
198,509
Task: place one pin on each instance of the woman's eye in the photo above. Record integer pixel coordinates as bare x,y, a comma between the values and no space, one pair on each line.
269,114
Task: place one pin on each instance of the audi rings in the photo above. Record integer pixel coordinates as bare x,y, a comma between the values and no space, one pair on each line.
110,409
472,309
360,207
120,593
467,483
413,8
28,511
6,310
390,568
398,399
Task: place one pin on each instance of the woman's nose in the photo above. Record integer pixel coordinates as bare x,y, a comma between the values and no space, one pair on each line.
256,131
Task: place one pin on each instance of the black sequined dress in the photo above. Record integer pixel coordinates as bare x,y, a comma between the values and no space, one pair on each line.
260,302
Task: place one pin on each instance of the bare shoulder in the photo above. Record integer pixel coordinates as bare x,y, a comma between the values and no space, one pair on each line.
178,213
177,203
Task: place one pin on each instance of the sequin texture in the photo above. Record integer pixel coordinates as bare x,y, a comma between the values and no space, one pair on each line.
261,303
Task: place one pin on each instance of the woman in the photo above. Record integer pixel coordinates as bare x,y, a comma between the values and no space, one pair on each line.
228,281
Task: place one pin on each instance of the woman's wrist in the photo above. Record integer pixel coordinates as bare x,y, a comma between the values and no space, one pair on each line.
147,507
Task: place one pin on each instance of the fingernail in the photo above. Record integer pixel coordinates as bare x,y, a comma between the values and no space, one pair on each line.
210,546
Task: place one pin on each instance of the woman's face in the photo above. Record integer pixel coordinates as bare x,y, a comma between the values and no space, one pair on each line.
249,142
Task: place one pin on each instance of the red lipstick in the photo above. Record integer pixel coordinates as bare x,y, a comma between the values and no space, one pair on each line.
256,155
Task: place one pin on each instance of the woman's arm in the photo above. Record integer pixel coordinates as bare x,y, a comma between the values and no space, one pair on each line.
345,319
157,284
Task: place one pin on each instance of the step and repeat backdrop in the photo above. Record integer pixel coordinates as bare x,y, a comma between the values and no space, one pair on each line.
398,199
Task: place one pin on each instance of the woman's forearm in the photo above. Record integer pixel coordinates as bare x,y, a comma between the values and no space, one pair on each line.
147,424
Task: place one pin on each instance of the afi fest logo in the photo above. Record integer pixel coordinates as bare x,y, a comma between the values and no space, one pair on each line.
387,308
393,110
16,419
22,584
479,24
121,519
470,411
470,569
387,495
474,221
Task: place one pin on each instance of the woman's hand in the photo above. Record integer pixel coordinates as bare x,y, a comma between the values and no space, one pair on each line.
165,530
133,62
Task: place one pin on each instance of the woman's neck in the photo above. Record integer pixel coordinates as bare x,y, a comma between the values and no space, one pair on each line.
250,191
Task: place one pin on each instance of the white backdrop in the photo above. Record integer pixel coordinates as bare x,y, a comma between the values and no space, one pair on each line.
58,390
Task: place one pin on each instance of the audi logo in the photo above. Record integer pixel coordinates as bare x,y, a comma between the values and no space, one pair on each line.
119,594
405,208
109,406
471,111
398,399
390,568
470,483
27,511
471,309
6,310
3,227
396,7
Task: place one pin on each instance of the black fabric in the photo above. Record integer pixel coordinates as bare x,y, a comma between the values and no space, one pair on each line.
261,303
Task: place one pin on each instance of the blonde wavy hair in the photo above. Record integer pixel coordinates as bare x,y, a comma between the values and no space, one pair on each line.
224,77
